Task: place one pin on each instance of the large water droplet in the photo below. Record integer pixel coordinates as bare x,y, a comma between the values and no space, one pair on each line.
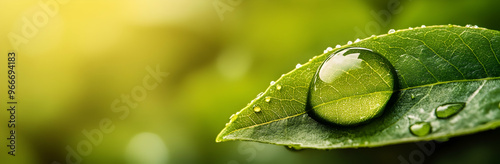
421,129
449,109
351,87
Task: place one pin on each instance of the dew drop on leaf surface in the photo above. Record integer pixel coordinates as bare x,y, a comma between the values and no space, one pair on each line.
268,99
421,129
449,109
256,109
351,87
294,148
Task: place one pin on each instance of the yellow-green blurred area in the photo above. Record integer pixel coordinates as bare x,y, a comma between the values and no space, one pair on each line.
76,57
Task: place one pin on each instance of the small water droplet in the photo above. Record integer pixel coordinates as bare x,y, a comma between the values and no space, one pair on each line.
357,40
423,26
272,83
349,141
411,28
337,46
468,25
268,98
475,26
328,49
256,109
282,75
294,148
372,36
391,31
412,96
233,117
421,129
278,87
260,94
349,42
449,109
298,65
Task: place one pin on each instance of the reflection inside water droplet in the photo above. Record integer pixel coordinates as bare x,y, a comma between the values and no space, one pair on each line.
449,109
420,129
351,87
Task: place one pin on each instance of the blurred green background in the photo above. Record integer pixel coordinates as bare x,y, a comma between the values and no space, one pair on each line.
85,55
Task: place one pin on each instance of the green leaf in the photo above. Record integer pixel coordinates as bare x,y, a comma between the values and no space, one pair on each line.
435,66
